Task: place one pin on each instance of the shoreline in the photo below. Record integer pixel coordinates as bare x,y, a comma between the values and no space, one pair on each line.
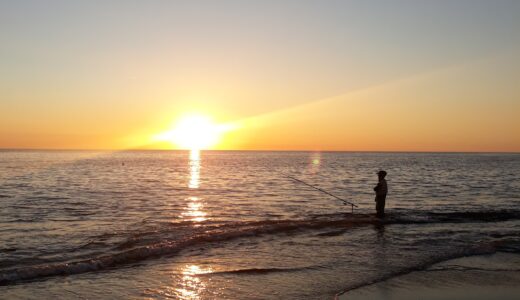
488,276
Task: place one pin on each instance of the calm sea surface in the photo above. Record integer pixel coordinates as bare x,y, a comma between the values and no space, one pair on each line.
232,225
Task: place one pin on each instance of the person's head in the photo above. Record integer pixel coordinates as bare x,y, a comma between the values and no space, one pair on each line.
381,174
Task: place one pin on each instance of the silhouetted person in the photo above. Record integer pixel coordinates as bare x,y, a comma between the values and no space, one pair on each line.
381,189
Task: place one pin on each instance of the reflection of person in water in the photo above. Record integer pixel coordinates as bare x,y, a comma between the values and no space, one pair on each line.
381,189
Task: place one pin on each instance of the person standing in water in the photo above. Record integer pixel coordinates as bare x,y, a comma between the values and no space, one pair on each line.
381,189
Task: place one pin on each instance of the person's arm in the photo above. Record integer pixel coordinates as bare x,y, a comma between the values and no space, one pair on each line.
380,189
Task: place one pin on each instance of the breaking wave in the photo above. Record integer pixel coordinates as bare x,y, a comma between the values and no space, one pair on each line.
131,251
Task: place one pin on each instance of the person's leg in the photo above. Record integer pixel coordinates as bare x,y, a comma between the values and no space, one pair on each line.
380,206
382,201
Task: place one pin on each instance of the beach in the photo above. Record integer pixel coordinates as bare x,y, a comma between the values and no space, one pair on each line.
492,276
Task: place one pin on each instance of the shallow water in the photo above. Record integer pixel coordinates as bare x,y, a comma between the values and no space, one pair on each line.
159,224
495,276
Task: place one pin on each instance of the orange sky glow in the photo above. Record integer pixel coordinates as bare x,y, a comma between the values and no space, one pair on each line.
236,77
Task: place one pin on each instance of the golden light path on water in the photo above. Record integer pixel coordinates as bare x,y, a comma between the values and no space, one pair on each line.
194,209
191,285
194,169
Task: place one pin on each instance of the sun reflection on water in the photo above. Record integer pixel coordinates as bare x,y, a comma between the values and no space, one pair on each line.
194,169
191,285
194,209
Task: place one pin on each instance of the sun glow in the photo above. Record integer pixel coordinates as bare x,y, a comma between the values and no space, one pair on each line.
195,132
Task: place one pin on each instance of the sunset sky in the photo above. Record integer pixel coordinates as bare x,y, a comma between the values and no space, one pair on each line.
267,75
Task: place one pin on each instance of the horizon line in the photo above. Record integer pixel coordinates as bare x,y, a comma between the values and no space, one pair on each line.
260,150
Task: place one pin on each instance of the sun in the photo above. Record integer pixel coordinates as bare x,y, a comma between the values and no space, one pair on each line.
194,132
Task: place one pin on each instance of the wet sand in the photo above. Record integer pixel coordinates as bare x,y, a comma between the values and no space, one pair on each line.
495,276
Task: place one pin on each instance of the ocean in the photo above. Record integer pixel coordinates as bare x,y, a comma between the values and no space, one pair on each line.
233,225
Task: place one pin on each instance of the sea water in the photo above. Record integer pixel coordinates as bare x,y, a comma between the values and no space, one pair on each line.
233,225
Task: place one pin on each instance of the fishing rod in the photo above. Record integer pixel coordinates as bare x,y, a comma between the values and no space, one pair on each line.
345,202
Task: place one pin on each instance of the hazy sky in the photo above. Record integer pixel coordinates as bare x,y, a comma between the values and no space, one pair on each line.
314,75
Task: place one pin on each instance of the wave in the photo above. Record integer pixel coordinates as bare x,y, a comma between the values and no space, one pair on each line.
257,271
471,216
44,198
5,250
130,252
140,253
466,268
479,249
